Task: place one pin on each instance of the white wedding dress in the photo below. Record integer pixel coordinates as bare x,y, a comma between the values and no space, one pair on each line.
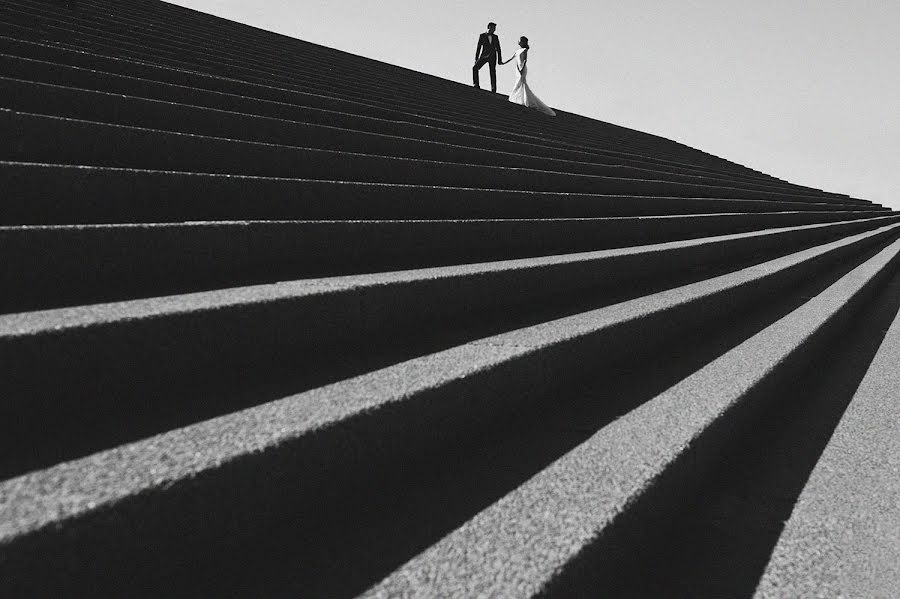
521,93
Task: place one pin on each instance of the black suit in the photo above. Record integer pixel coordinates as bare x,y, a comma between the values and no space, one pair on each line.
487,52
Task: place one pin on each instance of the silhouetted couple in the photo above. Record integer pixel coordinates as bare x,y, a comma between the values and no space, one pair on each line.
488,53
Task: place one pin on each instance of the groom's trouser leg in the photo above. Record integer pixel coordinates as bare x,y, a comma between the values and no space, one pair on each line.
492,67
478,64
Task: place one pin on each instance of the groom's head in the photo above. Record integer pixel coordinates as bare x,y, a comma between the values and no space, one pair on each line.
491,27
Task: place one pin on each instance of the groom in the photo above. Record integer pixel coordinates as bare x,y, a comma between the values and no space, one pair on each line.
487,52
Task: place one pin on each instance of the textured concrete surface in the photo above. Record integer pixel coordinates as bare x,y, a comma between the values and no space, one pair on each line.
79,317
516,547
31,138
74,489
54,266
843,537
46,194
168,116
174,352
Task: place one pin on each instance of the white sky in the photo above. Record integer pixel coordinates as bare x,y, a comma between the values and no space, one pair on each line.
805,90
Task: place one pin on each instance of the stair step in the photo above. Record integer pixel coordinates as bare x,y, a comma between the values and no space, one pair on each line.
179,118
842,529
234,342
66,194
54,266
580,511
34,138
167,487
115,108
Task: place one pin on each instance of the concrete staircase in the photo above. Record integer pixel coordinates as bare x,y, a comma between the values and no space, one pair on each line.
278,320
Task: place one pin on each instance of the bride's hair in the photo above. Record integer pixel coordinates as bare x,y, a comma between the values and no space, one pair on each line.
525,40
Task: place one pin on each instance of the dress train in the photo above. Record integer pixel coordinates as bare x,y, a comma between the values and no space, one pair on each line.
521,93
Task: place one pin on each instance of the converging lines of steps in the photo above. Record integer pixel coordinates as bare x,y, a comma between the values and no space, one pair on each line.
266,332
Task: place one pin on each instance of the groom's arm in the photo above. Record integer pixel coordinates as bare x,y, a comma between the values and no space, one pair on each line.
478,48
499,57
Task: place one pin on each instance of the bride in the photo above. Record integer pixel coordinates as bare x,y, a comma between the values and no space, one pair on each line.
521,93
